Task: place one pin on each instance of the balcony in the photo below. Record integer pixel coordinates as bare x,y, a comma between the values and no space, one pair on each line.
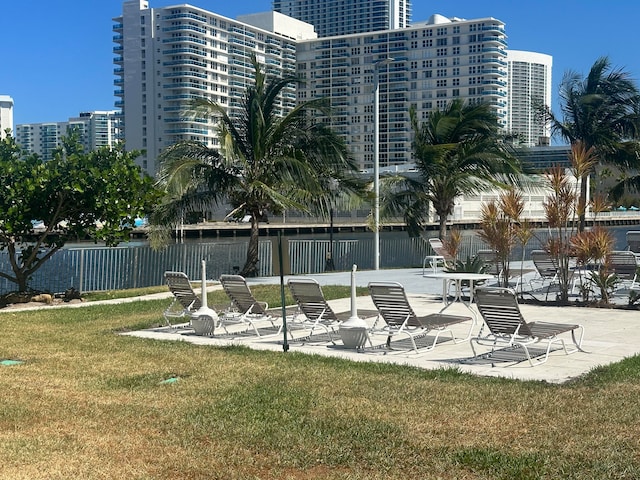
191,28
185,15
185,38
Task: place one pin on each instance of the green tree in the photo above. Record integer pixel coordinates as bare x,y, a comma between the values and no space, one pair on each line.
459,150
267,162
601,111
93,195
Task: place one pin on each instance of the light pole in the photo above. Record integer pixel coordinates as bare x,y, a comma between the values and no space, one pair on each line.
376,159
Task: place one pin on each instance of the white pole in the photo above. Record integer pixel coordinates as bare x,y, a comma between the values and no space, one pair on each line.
204,284
354,309
376,167
376,159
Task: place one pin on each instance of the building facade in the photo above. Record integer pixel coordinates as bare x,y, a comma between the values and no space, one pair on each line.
95,129
166,57
426,66
6,114
529,76
344,17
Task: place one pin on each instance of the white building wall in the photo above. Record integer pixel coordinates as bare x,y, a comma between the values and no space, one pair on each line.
96,129
166,57
433,63
6,114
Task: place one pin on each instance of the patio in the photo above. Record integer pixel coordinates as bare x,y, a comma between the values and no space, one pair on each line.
610,334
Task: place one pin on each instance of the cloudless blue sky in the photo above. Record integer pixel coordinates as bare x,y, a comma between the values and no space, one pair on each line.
57,55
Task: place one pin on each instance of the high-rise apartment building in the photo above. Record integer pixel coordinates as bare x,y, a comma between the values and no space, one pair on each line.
344,17
426,66
6,114
529,84
95,129
166,57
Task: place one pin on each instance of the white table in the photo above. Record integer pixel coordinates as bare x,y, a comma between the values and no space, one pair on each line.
457,278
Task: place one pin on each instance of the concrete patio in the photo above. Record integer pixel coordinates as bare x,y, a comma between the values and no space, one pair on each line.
610,334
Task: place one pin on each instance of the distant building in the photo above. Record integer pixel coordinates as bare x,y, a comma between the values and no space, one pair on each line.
433,63
166,57
95,129
6,114
529,83
344,17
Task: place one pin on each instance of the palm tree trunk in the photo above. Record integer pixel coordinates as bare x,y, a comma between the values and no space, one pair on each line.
250,268
443,226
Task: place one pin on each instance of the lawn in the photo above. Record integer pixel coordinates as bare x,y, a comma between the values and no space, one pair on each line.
88,403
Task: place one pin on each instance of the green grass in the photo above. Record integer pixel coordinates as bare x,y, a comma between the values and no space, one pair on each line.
88,403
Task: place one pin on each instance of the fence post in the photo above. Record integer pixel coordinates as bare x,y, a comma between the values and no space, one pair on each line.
81,276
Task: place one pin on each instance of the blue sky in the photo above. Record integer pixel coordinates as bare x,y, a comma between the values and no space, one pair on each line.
57,55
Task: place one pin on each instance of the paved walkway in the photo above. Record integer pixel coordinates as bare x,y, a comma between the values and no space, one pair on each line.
610,334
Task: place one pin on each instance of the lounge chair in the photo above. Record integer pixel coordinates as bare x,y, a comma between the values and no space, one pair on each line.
185,301
314,311
633,241
244,307
547,270
501,313
491,263
624,264
442,256
397,317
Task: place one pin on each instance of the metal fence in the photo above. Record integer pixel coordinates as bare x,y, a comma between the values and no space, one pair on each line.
101,268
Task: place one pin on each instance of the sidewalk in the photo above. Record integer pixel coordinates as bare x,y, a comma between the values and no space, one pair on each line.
610,334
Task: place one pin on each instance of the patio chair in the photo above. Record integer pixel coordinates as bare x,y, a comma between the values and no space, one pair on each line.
185,301
547,270
397,317
624,264
633,241
501,313
313,310
442,256
492,265
244,307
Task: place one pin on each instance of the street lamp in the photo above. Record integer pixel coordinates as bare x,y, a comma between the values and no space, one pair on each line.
376,159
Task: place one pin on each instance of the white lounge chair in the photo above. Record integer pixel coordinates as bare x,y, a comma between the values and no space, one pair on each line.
624,264
507,327
244,307
441,256
185,301
313,310
397,317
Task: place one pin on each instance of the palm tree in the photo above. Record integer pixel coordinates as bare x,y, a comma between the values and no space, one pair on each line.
459,150
266,163
601,111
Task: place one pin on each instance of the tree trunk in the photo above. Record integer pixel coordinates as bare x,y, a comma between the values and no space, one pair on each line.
443,226
250,268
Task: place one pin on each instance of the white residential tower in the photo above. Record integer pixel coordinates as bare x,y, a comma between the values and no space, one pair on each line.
343,17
